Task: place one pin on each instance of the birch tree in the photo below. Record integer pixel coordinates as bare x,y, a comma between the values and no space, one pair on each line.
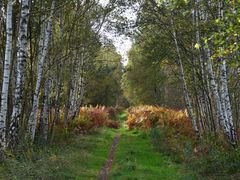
77,92
32,123
21,65
1,15
225,100
182,78
1,30
6,76
203,87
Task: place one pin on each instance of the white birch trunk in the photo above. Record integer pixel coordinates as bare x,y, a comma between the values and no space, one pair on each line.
182,77
32,123
1,16
220,101
202,94
225,99
6,76
1,28
77,92
197,35
202,60
214,89
227,104
21,63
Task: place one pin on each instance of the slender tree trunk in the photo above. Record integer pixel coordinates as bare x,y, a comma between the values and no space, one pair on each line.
1,21
183,80
204,84
225,99
220,101
77,92
70,88
214,89
32,123
1,16
21,63
6,77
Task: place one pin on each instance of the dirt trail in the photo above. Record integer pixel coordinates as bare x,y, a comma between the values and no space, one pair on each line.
108,166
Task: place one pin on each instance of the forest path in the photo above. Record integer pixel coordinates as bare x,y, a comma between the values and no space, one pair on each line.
121,153
136,158
133,157
108,166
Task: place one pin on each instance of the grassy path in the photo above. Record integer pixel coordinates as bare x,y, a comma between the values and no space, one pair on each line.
76,158
82,158
108,166
135,158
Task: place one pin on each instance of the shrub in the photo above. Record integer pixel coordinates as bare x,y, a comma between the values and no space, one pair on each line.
215,159
98,117
112,124
112,112
210,159
91,118
148,117
171,133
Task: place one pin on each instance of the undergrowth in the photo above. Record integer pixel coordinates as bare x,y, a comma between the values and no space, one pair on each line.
135,158
91,118
71,157
171,133
69,154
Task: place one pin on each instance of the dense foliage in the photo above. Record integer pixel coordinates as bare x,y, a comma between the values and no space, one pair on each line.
103,87
171,133
54,60
93,118
149,117
62,77
188,48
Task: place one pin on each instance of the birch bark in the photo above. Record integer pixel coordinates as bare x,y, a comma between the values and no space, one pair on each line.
225,98
6,76
183,80
214,88
1,28
226,101
78,88
21,63
1,16
205,94
32,123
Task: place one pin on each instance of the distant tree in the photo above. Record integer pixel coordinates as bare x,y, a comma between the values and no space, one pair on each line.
103,86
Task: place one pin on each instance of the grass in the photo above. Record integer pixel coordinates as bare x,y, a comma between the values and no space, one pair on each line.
135,158
82,157
122,116
78,157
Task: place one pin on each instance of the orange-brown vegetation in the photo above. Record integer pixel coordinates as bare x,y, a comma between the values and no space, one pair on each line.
91,118
147,117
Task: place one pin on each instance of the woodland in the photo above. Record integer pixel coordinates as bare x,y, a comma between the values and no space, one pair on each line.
73,107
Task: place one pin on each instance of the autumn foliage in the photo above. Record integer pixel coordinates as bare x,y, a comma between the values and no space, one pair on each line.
91,118
147,117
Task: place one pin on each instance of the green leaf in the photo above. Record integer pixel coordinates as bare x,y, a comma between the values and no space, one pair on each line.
197,46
